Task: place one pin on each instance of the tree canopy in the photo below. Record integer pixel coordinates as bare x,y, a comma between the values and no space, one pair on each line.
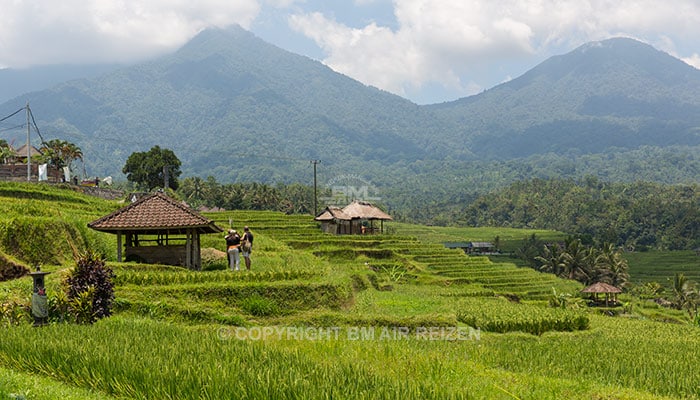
61,153
148,169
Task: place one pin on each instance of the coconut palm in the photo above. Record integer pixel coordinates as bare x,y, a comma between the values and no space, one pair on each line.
192,189
61,153
610,267
552,260
577,261
685,296
6,152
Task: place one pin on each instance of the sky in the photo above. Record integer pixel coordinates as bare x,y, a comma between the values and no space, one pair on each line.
425,51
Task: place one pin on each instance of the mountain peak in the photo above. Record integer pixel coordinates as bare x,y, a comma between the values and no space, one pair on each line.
617,56
613,44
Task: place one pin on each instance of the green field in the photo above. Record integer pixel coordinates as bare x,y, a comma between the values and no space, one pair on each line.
510,238
320,316
660,266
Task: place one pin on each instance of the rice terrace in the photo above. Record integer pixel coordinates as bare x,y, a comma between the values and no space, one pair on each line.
394,315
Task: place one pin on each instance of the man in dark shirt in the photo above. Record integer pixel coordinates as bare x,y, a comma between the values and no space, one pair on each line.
247,247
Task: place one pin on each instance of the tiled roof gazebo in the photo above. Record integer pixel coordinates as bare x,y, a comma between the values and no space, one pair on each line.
157,229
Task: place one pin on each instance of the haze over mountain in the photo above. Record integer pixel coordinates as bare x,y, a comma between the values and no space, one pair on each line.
15,82
234,107
616,93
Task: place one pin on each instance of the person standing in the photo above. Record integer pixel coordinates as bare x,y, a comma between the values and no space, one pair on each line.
247,246
233,242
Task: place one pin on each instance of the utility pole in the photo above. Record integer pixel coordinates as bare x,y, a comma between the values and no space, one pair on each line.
29,148
165,177
315,162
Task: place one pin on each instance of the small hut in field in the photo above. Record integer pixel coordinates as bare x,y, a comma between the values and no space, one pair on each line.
357,218
609,291
157,229
21,153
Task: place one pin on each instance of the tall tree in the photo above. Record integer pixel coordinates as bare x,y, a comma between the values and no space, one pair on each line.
61,153
192,189
553,259
610,266
5,151
578,263
147,169
530,250
685,295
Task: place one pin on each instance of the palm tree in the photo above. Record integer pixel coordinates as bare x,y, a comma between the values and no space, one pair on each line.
192,189
577,261
6,152
553,259
61,153
684,294
71,152
610,267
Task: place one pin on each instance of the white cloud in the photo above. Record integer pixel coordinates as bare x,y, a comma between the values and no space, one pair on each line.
693,60
48,31
448,42
282,3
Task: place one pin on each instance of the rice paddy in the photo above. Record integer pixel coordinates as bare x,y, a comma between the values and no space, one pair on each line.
321,316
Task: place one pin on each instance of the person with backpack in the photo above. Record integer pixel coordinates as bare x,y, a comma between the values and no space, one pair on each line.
247,246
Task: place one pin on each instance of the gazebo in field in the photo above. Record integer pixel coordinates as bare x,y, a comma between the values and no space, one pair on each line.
157,229
602,287
356,218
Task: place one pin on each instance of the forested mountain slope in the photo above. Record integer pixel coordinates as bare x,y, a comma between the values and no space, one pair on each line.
241,110
618,93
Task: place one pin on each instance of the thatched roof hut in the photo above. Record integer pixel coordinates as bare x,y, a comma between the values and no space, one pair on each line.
364,210
602,287
356,218
158,229
21,152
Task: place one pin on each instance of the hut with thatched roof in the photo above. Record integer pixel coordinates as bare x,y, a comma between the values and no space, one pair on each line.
356,218
601,287
334,221
157,229
20,154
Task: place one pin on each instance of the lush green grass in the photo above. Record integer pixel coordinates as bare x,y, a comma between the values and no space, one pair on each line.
210,362
660,266
25,386
175,332
57,215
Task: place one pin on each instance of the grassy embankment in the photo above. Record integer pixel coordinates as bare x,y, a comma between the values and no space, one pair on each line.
176,332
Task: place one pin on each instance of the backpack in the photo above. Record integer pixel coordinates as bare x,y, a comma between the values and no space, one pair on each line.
246,246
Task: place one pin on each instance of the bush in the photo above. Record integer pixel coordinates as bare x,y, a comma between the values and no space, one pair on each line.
90,289
11,271
14,313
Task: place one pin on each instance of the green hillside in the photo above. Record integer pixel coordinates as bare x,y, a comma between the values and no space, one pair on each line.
617,93
241,110
320,316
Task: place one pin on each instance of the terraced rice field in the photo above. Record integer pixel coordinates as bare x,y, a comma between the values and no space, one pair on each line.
447,266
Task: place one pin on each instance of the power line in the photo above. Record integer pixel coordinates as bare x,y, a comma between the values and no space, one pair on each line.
13,114
13,127
34,123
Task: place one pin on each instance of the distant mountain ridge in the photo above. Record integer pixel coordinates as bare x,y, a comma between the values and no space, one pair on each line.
15,82
237,108
614,93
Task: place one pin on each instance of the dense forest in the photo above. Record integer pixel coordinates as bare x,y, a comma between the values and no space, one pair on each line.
637,215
